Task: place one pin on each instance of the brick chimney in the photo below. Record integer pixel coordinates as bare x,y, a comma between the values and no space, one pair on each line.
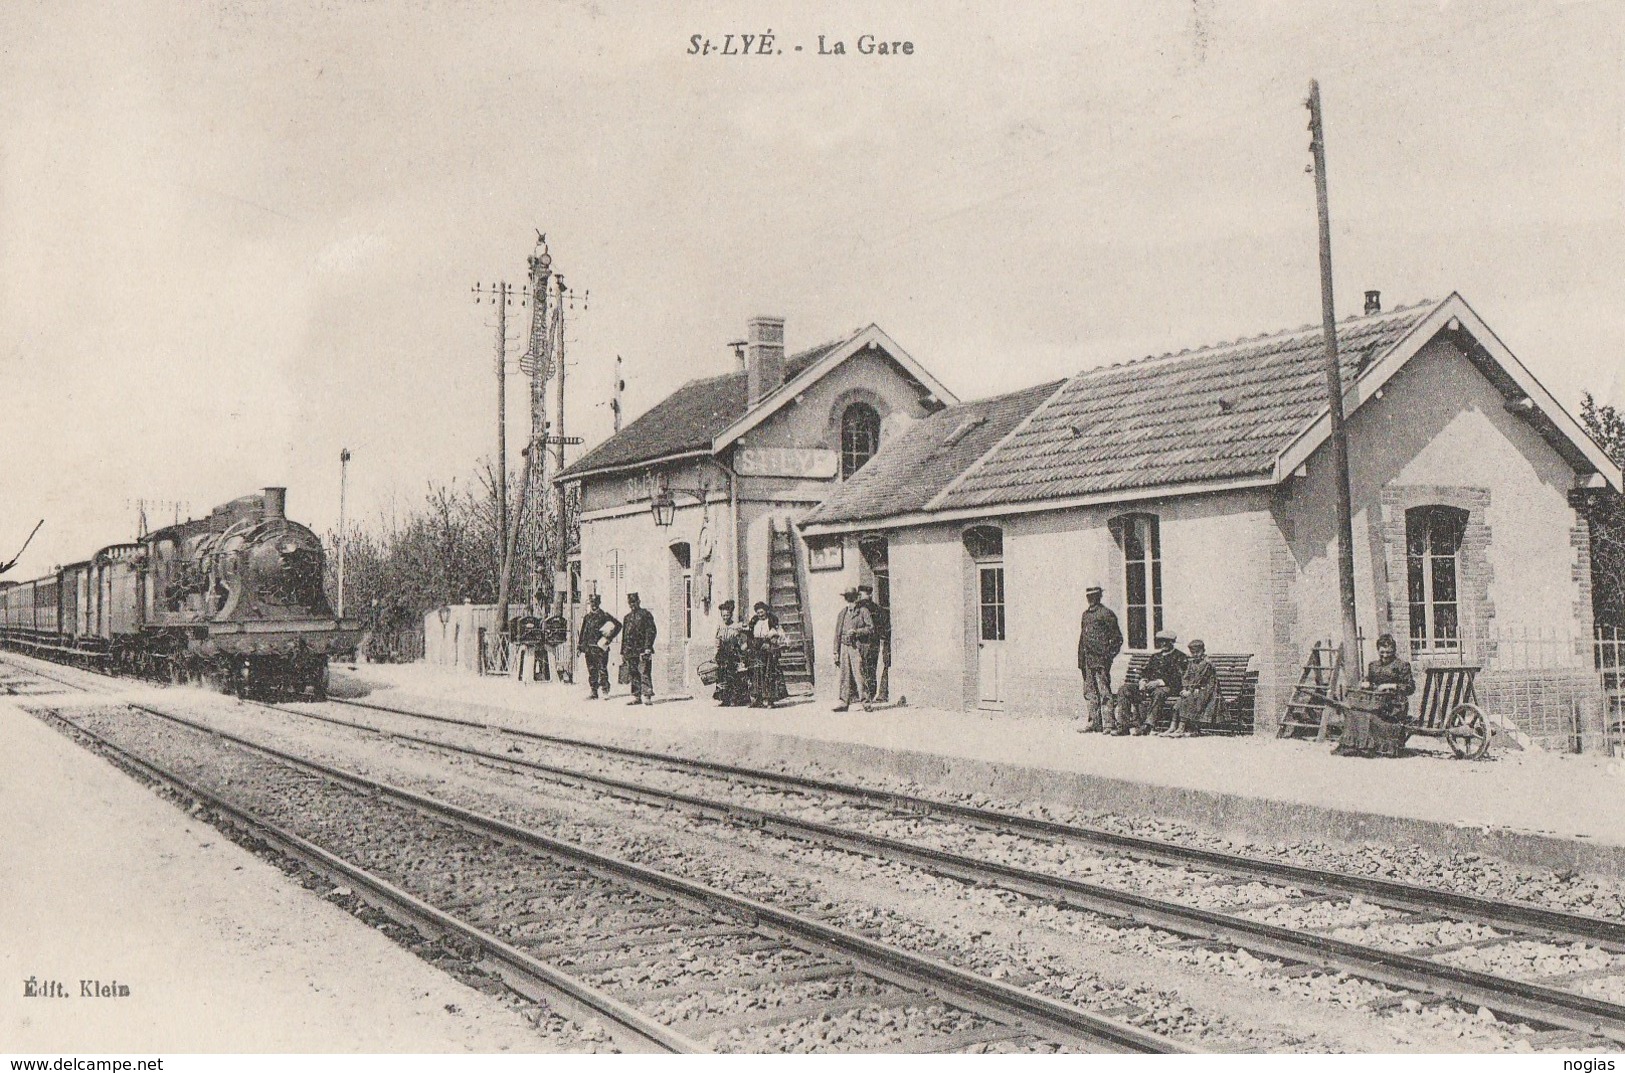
764,357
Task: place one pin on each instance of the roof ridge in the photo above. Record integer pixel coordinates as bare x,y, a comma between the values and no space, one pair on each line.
1252,340
948,489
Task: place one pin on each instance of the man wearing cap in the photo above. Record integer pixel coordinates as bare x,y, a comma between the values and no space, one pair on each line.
638,649
878,657
854,633
1140,703
598,629
1099,641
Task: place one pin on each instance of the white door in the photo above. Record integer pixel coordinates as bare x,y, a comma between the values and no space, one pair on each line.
990,635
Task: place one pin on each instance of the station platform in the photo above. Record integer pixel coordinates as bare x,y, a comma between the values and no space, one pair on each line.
1561,811
102,880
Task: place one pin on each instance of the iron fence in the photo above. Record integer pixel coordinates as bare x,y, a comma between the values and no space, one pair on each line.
1609,659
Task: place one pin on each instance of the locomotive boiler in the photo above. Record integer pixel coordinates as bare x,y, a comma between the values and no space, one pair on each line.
235,598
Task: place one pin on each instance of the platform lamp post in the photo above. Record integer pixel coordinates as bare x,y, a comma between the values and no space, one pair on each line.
344,473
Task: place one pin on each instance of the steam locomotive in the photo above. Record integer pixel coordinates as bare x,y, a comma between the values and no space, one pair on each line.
234,599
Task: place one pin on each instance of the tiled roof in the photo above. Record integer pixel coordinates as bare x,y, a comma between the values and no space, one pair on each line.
1221,412
912,468
688,419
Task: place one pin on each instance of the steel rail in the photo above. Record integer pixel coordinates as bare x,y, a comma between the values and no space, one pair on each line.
1400,894
630,1029
1525,1000
972,991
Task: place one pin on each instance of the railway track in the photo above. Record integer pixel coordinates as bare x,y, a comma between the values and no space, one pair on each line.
1589,949
671,964
1237,890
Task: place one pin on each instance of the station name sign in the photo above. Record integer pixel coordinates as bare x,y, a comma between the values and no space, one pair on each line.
815,463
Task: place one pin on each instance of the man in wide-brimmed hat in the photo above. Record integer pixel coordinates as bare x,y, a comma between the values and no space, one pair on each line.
1099,641
854,632
1140,703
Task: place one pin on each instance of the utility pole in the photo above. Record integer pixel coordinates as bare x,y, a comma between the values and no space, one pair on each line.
559,561
501,295
620,386
534,363
1334,389
344,475
538,362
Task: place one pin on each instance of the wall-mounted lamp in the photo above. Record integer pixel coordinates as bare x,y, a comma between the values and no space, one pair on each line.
663,502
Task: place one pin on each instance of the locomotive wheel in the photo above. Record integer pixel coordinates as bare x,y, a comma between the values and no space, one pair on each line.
1468,732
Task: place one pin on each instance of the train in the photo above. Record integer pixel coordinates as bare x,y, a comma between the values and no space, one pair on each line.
235,600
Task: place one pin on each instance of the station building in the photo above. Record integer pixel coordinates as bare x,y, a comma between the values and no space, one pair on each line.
1197,489
699,500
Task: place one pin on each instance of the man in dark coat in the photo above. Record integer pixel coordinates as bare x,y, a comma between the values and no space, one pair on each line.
598,629
638,649
854,633
1099,641
1140,703
877,659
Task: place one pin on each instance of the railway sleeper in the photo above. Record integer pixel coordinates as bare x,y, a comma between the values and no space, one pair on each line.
749,981
763,1016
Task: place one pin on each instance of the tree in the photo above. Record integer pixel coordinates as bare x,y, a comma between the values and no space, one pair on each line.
1607,517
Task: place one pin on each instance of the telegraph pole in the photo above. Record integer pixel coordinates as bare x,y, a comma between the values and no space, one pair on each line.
620,386
501,295
344,474
534,363
1334,388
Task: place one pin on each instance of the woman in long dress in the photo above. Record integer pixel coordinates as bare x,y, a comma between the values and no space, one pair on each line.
766,679
1382,732
733,688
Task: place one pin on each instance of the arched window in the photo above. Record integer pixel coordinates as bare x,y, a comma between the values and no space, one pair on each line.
985,543
1432,566
860,437
1139,537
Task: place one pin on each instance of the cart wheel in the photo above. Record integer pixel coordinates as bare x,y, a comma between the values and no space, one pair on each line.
1468,732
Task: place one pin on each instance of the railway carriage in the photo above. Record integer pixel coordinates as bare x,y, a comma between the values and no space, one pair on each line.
235,598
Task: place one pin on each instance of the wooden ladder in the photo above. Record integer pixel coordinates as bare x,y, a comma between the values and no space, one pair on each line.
784,600
1307,708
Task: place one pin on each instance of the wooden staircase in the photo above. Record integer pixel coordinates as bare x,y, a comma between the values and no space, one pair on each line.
784,599
1307,709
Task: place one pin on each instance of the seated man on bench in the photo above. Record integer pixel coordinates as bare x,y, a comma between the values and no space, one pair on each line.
1140,703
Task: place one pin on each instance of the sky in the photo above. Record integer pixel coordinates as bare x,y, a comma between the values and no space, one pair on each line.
236,238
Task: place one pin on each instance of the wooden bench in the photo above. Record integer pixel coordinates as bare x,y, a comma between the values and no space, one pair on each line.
1237,688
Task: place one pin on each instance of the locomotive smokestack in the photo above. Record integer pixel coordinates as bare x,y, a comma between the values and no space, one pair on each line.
276,503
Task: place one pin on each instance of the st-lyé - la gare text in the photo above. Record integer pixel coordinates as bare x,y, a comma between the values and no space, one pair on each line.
766,44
